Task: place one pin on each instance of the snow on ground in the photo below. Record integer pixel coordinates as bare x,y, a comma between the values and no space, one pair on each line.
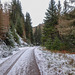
48,62
13,53
4,59
22,42
55,63
6,52
21,66
4,67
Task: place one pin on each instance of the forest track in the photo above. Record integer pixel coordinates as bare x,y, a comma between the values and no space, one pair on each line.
31,68
6,66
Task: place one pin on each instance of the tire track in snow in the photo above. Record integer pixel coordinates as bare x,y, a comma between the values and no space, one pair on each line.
26,65
33,67
6,66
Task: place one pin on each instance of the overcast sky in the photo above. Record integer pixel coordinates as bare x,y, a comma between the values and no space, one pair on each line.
36,8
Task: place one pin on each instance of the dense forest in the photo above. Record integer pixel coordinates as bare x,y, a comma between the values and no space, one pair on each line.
56,33
19,25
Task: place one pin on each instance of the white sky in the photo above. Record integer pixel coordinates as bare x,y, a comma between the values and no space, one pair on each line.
36,8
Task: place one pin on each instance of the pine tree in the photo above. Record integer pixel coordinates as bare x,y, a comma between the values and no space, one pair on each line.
59,8
65,7
39,35
16,15
13,11
28,28
51,20
19,26
35,37
17,20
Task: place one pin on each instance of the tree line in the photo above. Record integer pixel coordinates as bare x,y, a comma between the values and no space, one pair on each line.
50,36
19,24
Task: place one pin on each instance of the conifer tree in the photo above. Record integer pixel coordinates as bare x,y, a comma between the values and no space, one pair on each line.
16,15
59,8
17,19
28,28
39,35
35,36
51,20
65,7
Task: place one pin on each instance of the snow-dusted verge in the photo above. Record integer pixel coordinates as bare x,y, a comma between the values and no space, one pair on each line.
22,43
7,50
4,59
15,51
4,50
55,63
20,40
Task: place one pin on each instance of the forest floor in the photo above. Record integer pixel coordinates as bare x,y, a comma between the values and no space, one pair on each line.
36,61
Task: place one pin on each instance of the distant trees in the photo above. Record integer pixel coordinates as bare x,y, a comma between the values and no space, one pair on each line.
59,9
20,24
65,6
37,35
68,6
16,16
16,22
28,28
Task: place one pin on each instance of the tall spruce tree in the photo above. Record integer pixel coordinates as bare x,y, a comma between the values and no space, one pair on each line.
59,11
59,8
65,7
16,19
28,28
50,32
35,36
39,35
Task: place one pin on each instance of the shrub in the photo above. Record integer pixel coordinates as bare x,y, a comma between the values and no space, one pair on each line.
16,38
9,39
48,44
54,45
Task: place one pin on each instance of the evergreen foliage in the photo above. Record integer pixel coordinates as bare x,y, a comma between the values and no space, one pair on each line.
37,35
9,40
19,26
16,23
50,32
16,17
59,9
53,45
28,28
65,7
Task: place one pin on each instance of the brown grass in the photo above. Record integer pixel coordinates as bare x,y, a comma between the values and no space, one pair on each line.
58,51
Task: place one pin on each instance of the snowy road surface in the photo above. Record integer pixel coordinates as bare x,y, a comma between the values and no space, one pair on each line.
37,61
22,63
